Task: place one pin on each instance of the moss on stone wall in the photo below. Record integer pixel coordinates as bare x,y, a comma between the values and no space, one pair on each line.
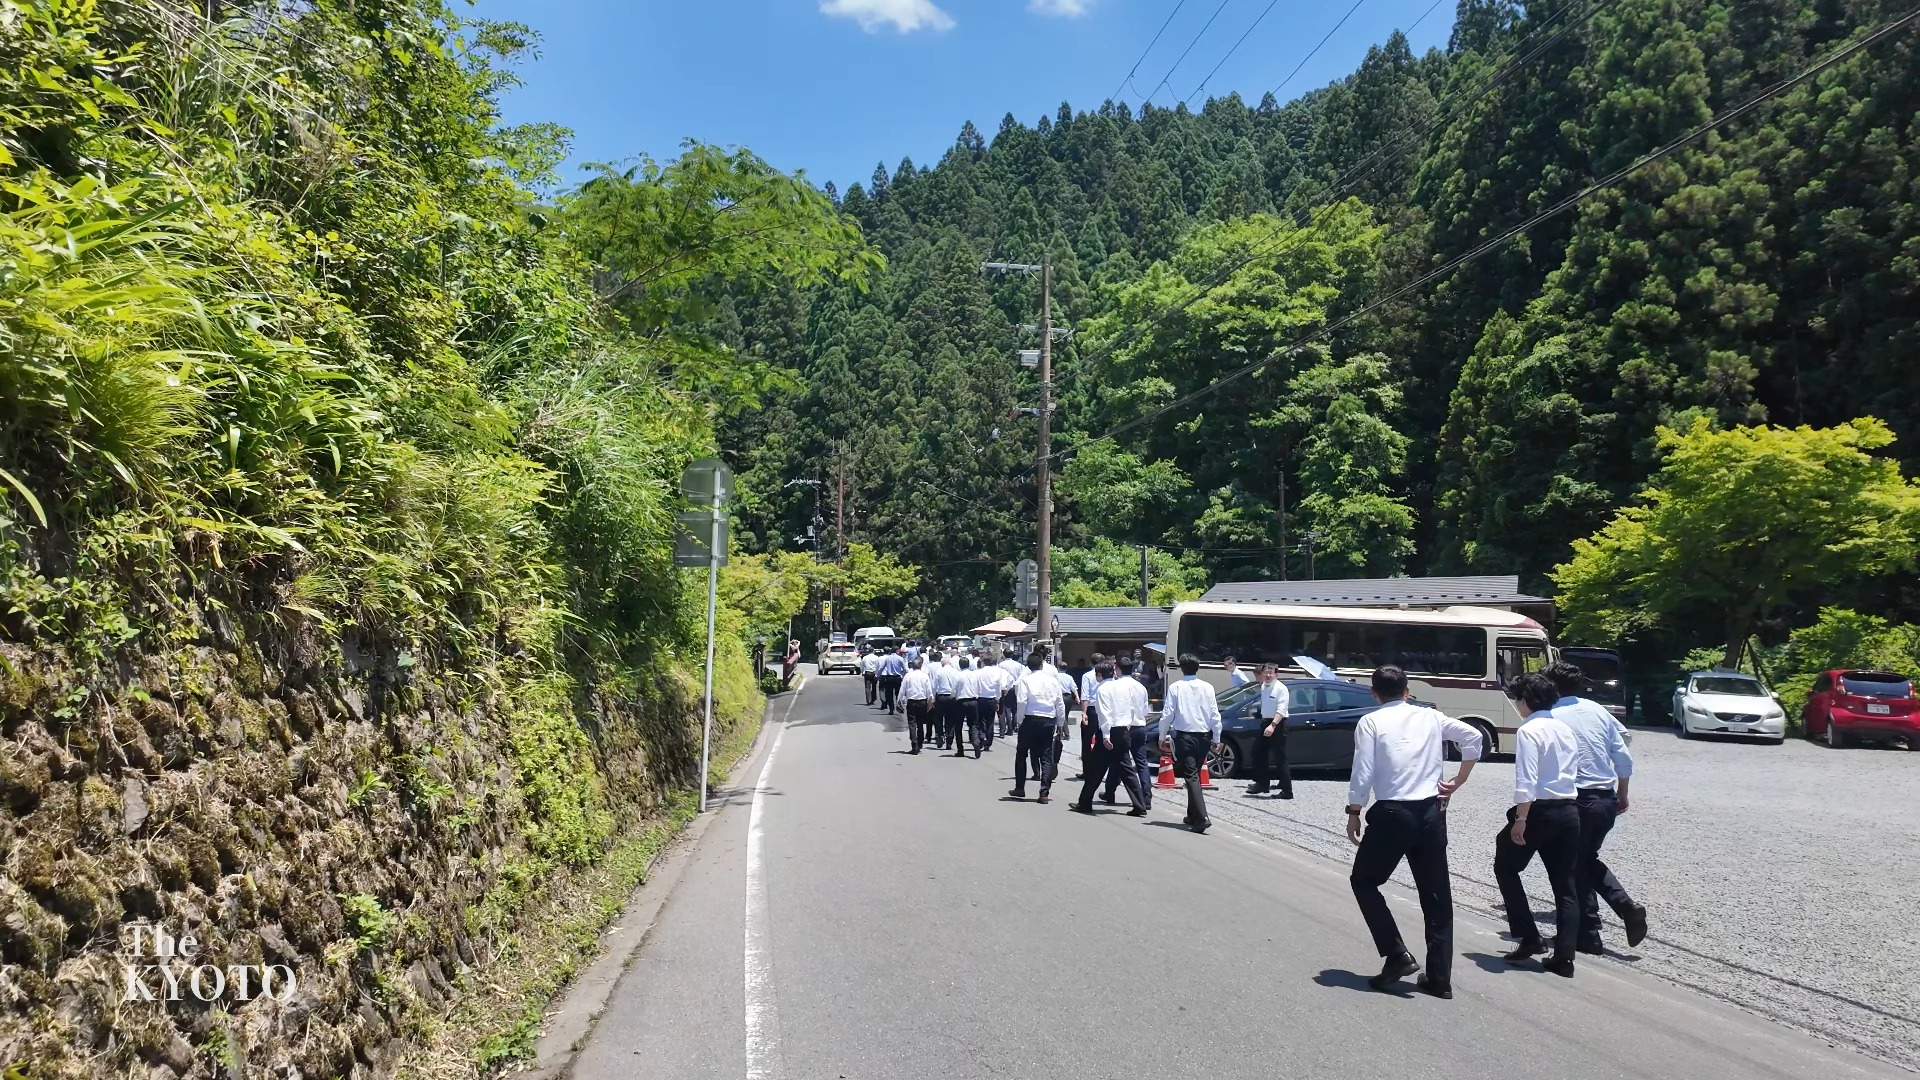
383,835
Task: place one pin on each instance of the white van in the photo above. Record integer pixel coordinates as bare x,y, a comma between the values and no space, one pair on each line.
861,635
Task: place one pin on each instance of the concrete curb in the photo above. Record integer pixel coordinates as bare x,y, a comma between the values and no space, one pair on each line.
571,1017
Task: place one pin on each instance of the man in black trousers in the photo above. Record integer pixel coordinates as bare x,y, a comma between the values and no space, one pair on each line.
893,668
1603,773
1397,754
917,691
1270,749
1544,819
1042,705
1189,730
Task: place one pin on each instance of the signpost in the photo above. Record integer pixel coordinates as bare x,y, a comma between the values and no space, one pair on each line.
702,541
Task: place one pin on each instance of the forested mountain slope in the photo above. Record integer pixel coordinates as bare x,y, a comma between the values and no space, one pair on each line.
1766,272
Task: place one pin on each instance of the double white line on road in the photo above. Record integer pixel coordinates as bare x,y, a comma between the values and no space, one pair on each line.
763,1016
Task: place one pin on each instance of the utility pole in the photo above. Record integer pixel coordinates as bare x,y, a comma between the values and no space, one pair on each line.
839,538
1283,512
1044,620
1043,616
1145,583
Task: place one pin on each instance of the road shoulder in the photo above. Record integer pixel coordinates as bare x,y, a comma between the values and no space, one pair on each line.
571,1017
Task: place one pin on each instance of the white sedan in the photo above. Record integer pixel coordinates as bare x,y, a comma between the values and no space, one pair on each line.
1727,703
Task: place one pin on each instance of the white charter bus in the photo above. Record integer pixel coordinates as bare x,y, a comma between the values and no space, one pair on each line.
1456,658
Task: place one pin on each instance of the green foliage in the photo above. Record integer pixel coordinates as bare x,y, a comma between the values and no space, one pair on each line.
1107,574
1737,524
1841,638
368,922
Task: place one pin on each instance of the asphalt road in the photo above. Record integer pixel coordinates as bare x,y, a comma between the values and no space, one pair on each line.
889,917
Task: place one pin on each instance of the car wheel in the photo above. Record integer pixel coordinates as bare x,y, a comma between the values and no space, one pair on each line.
1225,759
1680,728
1836,739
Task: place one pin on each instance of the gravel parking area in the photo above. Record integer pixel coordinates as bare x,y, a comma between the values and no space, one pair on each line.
1784,879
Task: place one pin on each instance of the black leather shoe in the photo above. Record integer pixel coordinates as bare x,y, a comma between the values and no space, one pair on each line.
1636,920
1079,809
1137,812
1433,989
1595,949
1203,827
1285,795
1108,799
1397,968
1524,951
1016,793
1258,789
1562,968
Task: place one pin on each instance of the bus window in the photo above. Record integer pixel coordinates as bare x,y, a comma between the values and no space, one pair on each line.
1519,656
1345,644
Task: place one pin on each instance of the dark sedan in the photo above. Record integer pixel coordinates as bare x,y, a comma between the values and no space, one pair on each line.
1320,721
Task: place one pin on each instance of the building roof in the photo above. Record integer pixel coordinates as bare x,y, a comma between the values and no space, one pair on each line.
1487,590
1111,622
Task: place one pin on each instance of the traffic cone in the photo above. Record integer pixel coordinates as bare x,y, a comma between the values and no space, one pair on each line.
1165,779
1206,778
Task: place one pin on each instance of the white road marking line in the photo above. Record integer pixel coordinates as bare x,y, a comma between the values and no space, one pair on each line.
763,1017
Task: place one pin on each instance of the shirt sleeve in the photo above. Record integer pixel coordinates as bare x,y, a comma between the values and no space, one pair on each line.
1463,735
1526,767
1281,700
1212,709
1617,747
1365,744
1020,697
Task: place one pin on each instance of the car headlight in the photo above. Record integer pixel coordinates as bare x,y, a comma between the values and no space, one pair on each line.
1696,710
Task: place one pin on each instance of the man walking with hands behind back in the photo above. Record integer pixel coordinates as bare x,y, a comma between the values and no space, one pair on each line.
1397,754
1190,729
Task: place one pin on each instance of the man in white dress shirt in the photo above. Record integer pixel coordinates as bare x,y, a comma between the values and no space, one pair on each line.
1121,708
1604,772
917,691
870,673
1010,672
946,686
963,711
1190,729
1041,705
1545,819
1270,748
1397,755
1235,676
986,697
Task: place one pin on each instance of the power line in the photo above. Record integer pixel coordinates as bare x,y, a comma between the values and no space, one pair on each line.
1316,49
1236,48
1183,55
1128,80
1352,178
1835,56
1423,17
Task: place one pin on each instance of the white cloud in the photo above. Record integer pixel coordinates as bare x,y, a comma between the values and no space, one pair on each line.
1071,9
905,16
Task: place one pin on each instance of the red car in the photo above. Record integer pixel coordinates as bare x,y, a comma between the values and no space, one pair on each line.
1847,707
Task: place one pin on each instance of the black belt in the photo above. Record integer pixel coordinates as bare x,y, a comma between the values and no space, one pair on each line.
1553,802
1598,791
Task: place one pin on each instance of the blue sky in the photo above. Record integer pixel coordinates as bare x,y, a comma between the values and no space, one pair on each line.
835,86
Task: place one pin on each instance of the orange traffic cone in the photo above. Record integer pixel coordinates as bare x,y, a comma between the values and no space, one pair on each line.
1206,778
1165,779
